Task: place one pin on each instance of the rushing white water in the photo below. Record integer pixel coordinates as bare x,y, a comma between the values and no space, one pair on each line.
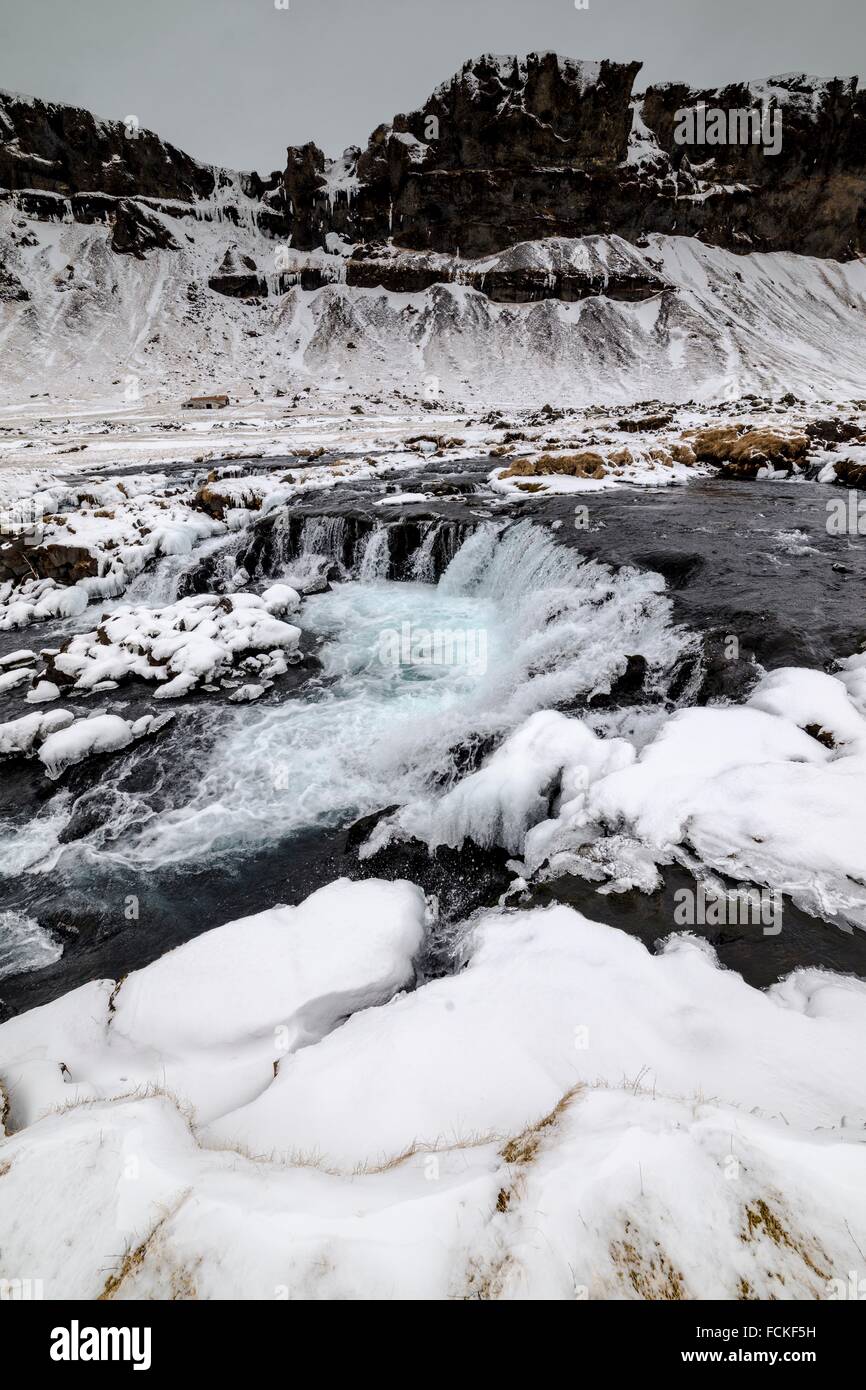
411,673
374,562
422,562
24,945
323,535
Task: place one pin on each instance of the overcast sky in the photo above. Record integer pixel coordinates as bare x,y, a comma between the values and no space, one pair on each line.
235,81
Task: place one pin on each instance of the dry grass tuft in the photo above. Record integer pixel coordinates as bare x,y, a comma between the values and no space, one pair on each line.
851,473
583,465
523,1147
683,453
762,1220
135,1257
653,1277
622,458
747,449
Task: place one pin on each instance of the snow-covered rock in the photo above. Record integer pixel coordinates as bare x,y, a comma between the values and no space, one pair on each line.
100,733
185,644
549,1001
22,735
213,1019
772,792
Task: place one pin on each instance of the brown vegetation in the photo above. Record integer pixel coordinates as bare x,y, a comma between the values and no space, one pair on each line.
583,465
741,452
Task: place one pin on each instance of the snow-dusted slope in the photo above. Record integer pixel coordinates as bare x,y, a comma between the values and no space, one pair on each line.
97,323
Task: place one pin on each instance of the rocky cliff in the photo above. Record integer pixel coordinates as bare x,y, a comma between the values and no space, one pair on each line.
508,151
516,150
62,162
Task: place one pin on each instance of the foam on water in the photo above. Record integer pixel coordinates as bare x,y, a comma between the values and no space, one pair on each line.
517,623
24,945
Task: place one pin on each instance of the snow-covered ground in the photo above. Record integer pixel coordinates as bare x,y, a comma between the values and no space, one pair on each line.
568,1116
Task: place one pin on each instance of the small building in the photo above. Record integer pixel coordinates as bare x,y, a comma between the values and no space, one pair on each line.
206,403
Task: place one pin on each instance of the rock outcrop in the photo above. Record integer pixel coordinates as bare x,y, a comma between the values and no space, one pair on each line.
66,150
517,150
237,275
509,152
65,564
137,230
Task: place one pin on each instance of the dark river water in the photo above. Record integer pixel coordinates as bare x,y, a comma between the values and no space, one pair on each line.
748,560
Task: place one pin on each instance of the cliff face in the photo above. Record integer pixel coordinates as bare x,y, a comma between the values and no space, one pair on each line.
65,150
515,150
508,151
809,197
61,161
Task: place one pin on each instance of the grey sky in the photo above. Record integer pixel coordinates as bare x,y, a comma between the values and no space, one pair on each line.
235,81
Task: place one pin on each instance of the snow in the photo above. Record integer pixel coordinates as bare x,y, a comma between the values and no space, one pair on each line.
41,692
185,644
281,598
340,177
10,679
495,805
21,735
122,526
99,733
61,603
209,1020
776,308
753,791
495,1047
568,1116
400,499
643,147
245,694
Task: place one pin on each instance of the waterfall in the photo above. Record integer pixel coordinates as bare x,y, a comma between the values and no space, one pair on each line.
159,585
423,564
573,622
376,559
324,535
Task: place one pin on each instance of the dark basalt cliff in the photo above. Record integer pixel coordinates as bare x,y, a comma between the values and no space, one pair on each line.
60,160
507,151
63,149
516,150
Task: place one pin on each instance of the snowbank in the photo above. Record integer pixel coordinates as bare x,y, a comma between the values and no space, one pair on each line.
211,1019
566,1117
772,792
549,1001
